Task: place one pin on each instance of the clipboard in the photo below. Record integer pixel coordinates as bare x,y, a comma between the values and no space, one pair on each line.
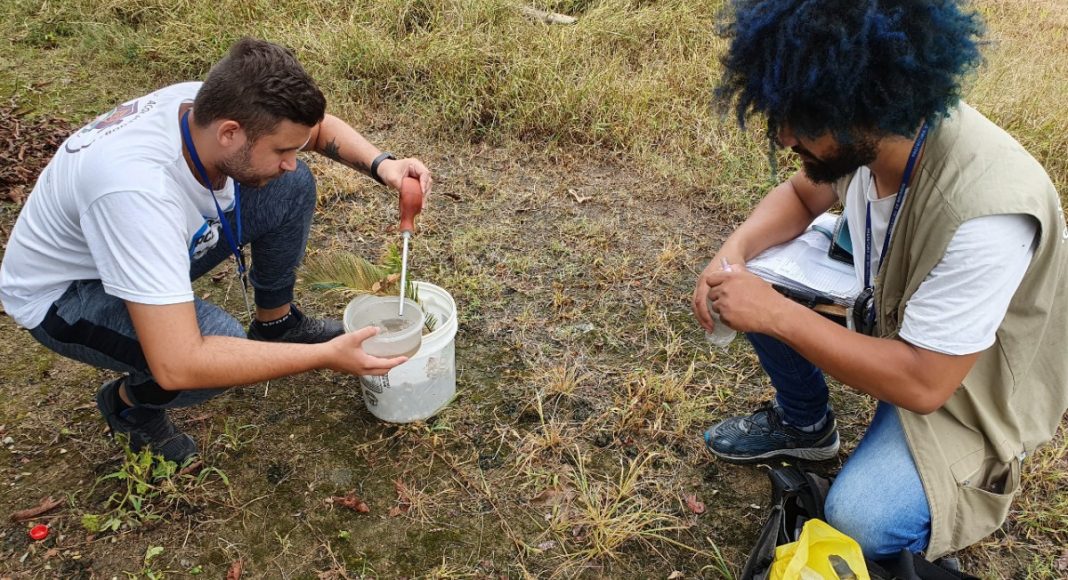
815,269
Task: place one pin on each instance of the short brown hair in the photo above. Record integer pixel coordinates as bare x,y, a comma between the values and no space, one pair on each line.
258,84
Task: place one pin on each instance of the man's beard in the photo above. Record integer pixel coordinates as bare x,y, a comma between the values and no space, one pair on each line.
848,158
239,167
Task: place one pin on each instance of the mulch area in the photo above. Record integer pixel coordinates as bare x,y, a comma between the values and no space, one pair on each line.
26,146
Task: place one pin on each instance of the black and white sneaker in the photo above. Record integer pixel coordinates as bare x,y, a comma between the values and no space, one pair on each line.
145,427
300,328
764,436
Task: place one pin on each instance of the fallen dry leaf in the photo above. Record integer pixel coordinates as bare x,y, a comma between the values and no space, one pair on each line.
578,532
192,468
352,502
17,194
552,496
47,504
694,505
234,573
404,499
26,146
675,575
547,545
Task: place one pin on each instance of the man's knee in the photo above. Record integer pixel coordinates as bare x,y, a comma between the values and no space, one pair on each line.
214,321
193,397
880,528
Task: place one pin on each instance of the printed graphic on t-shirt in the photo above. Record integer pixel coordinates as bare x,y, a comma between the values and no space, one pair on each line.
108,123
205,238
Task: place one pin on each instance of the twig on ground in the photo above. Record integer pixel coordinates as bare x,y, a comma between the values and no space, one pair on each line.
47,504
580,199
547,17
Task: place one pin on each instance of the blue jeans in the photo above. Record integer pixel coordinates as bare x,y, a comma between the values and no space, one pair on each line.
878,498
88,325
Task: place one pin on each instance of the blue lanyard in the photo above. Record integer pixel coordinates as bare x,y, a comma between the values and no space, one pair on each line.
913,155
235,247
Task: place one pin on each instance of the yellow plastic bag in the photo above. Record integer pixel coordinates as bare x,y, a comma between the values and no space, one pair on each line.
809,558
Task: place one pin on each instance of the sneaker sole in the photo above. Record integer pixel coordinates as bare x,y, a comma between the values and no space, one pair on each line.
806,453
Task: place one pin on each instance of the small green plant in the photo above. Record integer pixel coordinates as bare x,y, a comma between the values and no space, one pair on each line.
144,477
149,486
147,571
235,436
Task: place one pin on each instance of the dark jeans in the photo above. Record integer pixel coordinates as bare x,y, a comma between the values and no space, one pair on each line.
88,325
800,390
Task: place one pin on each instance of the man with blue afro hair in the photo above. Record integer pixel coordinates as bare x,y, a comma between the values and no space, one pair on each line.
959,245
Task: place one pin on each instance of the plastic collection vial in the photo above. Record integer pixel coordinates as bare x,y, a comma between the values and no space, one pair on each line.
721,335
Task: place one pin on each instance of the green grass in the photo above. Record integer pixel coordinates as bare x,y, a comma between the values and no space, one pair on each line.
592,180
631,76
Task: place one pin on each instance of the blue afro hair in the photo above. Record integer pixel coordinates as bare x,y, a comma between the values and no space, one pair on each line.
840,66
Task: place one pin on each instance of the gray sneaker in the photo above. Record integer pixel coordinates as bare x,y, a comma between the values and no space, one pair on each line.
145,427
308,330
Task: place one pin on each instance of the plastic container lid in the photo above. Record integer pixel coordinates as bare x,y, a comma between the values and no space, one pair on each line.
39,532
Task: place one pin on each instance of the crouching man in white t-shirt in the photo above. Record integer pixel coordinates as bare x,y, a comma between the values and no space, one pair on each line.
154,194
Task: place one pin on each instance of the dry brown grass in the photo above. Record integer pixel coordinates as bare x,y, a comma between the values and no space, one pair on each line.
582,183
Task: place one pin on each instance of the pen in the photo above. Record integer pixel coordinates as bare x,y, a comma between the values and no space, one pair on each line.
808,298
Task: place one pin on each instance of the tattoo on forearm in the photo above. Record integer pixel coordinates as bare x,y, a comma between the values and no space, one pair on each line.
333,151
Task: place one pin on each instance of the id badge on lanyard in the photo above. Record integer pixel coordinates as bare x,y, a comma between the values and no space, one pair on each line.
862,314
233,240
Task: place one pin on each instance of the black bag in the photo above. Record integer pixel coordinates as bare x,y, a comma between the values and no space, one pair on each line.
798,496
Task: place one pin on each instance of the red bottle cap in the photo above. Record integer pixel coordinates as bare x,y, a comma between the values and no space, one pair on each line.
39,532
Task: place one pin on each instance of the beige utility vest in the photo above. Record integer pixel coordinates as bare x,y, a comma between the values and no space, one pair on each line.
969,451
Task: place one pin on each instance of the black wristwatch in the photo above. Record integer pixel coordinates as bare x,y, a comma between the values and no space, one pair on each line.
378,161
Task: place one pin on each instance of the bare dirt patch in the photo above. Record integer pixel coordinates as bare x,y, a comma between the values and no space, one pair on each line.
573,448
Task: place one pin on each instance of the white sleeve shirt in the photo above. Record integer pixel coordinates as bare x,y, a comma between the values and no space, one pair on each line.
959,306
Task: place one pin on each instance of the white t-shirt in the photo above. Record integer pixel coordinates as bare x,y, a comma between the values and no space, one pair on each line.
117,204
959,306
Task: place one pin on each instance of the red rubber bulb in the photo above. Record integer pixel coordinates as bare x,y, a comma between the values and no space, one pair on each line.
411,203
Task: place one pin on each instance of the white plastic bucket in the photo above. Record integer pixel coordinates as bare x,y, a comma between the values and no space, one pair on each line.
420,387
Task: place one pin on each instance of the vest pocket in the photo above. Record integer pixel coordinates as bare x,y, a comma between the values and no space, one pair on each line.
983,501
